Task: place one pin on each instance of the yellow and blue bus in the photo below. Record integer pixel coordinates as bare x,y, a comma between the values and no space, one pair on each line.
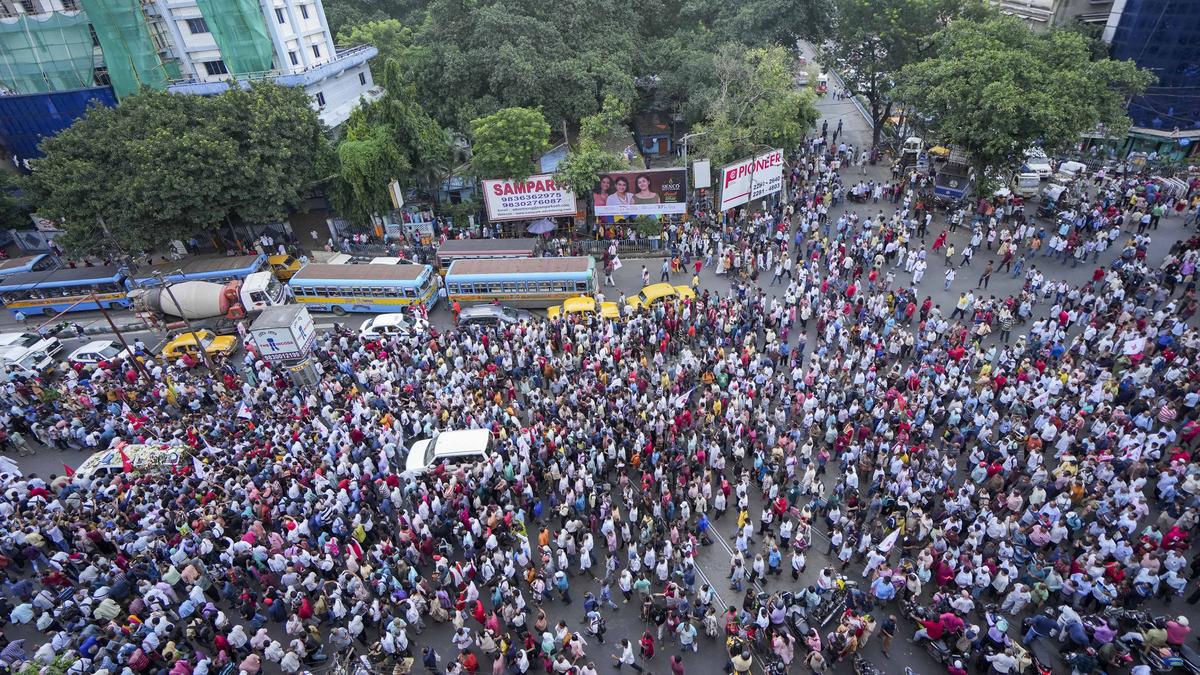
29,263
470,249
218,269
64,290
364,288
521,282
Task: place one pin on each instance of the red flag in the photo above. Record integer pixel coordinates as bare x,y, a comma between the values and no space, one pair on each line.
69,470
126,465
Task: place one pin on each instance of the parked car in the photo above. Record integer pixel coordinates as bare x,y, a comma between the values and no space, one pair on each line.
584,304
490,315
655,293
212,344
394,323
98,351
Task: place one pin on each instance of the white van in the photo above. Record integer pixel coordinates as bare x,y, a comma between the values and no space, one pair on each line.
17,360
1069,171
465,446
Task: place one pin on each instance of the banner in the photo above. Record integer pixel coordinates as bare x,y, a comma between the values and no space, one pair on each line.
656,192
535,197
765,171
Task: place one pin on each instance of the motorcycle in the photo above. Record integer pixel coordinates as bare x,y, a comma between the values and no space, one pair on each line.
864,667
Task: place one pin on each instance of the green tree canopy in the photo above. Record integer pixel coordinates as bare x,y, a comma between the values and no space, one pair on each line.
392,38
162,166
755,104
393,138
994,88
587,159
871,40
508,143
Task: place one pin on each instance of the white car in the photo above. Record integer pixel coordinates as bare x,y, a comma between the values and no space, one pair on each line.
465,446
386,325
1037,162
97,351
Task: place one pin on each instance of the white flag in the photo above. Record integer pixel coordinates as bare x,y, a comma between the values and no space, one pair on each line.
199,468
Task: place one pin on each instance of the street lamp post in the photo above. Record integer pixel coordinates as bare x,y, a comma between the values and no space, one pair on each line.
183,315
685,139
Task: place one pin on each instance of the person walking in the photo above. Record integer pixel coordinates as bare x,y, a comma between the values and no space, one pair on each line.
986,276
625,657
950,274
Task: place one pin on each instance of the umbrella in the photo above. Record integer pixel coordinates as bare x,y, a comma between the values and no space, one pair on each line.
541,226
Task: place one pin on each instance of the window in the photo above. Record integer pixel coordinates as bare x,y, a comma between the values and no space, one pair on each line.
320,99
197,26
510,287
216,68
295,59
362,79
279,15
304,11
544,286
581,286
317,51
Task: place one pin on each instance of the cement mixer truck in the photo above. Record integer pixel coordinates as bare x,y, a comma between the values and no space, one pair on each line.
217,307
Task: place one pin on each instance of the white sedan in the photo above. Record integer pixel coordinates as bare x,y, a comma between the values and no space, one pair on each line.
97,351
387,325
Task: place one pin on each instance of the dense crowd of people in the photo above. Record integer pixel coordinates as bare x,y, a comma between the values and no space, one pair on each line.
1046,466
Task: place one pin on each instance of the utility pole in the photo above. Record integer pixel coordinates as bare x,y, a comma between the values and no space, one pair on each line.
183,315
116,331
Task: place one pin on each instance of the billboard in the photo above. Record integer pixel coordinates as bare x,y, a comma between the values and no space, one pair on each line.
764,171
535,197
655,192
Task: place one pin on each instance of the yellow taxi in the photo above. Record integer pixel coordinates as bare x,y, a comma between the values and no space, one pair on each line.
213,345
584,304
284,267
655,293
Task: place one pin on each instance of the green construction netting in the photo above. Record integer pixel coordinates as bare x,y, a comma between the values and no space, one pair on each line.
239,30
46,52
129,52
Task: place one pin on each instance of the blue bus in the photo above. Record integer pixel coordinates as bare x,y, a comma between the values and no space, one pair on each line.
521,282
218,269
64,290
29,263
364,288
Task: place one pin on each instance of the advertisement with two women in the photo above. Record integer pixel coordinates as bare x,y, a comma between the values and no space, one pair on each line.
654,192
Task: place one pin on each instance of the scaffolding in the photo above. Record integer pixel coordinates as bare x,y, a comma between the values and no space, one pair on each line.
129,53
47,52
239,30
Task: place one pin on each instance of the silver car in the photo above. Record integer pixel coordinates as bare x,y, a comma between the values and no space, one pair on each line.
492,315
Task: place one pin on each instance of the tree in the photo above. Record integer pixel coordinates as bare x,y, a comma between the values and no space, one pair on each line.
756,104
580,170
762,22
393,138
392,38
14,207
279,139
508,143
368,159
872,40
162,166
994,88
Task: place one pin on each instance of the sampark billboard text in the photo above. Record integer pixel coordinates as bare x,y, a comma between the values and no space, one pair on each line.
535,197
656,192
751,179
